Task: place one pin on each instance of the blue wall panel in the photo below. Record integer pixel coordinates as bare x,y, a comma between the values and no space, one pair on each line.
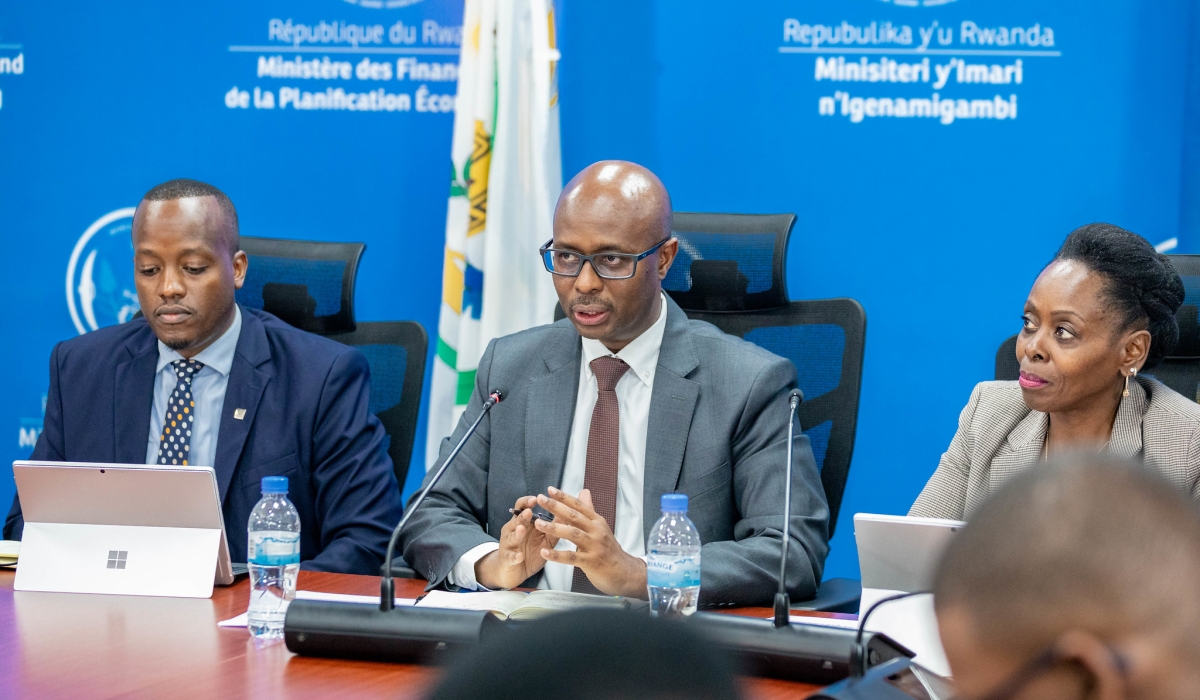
114,98
938,229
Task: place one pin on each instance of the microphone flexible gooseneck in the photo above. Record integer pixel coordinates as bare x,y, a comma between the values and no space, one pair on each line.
387,587
858,655
783,604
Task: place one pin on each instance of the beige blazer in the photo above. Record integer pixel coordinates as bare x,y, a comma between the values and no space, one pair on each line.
999,436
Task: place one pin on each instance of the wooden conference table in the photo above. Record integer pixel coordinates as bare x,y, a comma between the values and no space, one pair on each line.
60,645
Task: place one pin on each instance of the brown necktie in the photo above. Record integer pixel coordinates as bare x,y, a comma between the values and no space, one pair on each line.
603,451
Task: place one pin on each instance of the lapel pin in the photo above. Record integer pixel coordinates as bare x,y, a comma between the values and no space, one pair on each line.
239,413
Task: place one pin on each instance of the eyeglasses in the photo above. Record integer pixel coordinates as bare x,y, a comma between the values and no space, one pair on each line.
609,266
1048,659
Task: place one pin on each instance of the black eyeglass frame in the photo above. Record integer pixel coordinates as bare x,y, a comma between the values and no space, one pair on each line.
1046,660
636,257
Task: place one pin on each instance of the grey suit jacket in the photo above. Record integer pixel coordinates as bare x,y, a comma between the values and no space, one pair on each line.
999,437
718,432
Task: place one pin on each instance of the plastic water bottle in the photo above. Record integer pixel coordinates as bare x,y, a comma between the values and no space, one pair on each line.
673,560
273,555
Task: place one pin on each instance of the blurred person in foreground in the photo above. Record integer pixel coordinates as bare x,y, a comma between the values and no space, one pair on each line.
1077,580
622,655
1098,316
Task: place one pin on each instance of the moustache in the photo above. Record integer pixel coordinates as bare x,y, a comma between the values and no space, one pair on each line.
589,301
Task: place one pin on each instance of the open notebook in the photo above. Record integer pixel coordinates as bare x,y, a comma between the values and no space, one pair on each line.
9,550
515,605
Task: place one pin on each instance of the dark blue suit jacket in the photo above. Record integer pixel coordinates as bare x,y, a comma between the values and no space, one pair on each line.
306,418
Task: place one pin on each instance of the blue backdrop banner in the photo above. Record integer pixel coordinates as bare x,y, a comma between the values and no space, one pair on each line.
322,119
936,152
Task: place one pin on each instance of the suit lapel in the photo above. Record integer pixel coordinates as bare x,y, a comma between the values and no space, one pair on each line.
247,380
672,403
549,412
133,401
1021,450
1126,438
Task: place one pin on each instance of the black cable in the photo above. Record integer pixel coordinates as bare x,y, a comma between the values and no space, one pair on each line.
858,659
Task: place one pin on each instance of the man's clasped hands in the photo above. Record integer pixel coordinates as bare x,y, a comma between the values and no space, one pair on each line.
527,543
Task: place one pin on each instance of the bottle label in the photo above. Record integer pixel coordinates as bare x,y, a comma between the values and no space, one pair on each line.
273,548
672,571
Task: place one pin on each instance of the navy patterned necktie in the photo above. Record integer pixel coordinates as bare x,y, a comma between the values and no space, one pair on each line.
175,442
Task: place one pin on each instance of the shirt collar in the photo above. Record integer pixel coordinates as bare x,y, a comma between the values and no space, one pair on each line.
218,356
641,354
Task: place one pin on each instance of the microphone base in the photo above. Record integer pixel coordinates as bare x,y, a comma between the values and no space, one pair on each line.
783,610
402,635
807,653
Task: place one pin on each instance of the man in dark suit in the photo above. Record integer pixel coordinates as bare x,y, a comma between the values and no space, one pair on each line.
200,381
610,408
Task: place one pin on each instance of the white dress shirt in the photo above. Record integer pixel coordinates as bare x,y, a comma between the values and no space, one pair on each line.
633,397
208,390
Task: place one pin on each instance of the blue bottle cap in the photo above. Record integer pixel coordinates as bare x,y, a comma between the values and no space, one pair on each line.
674,502
274,484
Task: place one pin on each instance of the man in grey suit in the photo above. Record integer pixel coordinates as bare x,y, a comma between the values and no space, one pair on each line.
608,409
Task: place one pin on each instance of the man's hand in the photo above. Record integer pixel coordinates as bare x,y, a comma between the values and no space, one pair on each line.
519,556
607,566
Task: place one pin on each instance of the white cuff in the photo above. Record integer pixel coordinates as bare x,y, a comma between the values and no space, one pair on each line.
463,573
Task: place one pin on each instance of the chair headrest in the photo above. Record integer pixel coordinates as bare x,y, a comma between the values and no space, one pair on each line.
1188,346
730,262
291,303
307,284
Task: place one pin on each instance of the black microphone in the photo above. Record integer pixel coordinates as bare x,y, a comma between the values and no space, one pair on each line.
388,633
873,677
387,587
779,649
783,604
858,656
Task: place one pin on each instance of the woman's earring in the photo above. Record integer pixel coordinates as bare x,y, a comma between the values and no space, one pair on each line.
1132,373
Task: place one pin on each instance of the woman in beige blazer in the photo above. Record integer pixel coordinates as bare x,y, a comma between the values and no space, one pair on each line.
1101,312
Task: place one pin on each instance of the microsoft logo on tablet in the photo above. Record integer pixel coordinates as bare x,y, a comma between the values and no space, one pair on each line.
116,558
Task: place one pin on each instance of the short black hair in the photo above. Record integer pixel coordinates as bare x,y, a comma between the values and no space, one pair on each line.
183,187
1142,284
1086,542
598,655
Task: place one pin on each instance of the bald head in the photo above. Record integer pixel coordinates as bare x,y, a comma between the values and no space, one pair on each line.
619,194
1090,546
613,207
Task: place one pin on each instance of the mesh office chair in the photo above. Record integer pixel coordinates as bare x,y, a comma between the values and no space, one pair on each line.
1007,366
1181,369
730,273
308,284
396,352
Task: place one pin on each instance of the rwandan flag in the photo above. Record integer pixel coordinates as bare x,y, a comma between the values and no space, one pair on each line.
506,173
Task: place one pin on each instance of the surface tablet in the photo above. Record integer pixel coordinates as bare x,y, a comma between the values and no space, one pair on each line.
131,495
900,553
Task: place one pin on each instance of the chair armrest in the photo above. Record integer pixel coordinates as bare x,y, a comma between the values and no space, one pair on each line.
839,595
401,569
